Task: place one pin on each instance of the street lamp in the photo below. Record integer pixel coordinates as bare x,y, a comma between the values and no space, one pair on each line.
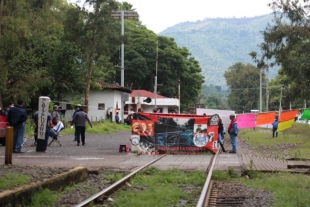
123,15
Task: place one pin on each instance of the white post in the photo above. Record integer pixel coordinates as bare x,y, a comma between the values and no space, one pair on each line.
42,122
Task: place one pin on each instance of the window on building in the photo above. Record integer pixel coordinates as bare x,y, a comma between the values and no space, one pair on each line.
101,106
69,106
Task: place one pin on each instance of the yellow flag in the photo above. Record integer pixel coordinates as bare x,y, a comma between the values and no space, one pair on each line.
285,125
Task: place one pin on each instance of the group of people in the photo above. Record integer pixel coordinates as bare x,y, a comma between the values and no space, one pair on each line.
17,115
232,131
55,125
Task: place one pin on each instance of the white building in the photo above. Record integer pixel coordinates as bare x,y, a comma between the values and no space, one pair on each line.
103,104
137,97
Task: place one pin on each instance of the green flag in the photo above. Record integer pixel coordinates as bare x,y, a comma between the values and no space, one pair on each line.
305,114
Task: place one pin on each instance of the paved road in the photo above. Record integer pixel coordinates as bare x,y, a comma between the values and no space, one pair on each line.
102,150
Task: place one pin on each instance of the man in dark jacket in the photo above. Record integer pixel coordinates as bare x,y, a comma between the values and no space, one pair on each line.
17,116
79,120
76,110
233,132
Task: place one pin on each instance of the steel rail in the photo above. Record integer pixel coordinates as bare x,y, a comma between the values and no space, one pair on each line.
202,198
116,184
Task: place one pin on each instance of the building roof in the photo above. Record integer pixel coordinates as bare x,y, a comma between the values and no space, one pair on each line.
113,86
144,93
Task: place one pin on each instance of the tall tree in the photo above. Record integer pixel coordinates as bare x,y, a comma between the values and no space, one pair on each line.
29,32
286,43
92,31
244,83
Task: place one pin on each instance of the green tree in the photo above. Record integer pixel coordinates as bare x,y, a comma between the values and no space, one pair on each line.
174,63
30,32
93,32
286,43
244,82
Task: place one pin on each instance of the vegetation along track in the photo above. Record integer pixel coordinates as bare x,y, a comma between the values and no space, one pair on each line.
101,196
109,190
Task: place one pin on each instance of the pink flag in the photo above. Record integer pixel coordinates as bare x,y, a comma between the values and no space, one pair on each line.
246,121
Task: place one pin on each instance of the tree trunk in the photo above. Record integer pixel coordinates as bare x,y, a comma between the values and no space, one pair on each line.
89,72
1,8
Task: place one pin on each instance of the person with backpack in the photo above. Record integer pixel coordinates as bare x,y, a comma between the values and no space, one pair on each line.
275,127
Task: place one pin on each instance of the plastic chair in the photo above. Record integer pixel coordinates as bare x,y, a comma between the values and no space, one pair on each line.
55,139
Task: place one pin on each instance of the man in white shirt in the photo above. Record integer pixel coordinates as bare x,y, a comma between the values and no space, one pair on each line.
57,127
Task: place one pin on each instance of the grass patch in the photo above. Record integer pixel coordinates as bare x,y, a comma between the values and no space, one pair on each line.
297,136
288,189
44,198
12,180
98,128
154,187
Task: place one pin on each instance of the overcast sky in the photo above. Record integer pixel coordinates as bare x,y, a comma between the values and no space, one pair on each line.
157,15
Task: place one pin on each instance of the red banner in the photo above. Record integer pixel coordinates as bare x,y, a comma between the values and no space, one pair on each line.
174,133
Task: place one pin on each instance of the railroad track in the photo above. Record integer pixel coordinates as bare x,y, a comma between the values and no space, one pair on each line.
203,200
109,190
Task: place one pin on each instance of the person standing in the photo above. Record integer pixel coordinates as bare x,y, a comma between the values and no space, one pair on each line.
117,118
35,132
76,110
16,117
275,127
55,112
221,131
7,109
233,132
79,120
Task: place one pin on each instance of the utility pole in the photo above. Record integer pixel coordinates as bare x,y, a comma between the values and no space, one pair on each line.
280,107
179,95
260,90
267,96
123,15
155,87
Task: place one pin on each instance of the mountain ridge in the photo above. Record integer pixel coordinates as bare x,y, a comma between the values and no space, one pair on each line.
218,43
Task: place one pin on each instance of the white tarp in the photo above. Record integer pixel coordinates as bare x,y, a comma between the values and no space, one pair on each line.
224,114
